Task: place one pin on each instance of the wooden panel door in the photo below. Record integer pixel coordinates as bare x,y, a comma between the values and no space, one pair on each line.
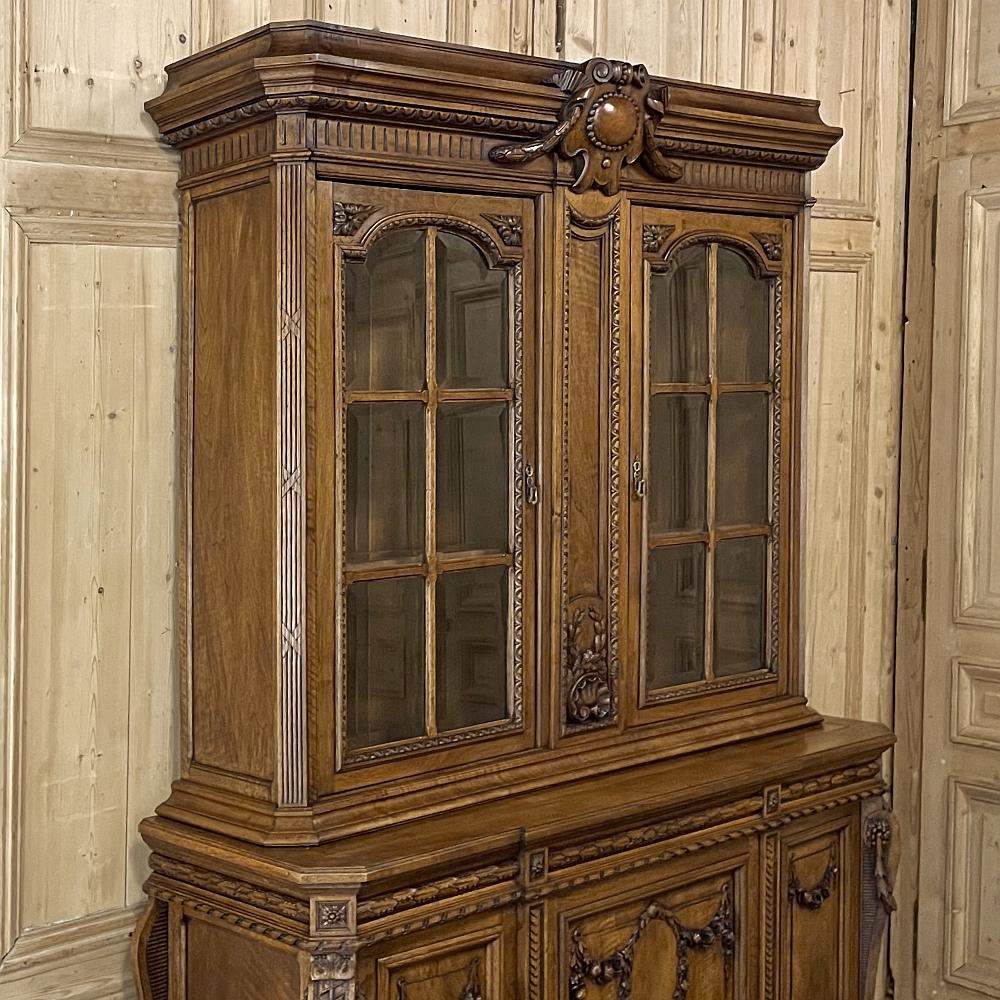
958,951
685,930
819,897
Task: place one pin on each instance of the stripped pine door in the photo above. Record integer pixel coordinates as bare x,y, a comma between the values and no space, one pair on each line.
947,767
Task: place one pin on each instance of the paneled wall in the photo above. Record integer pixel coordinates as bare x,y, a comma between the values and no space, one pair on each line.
87,350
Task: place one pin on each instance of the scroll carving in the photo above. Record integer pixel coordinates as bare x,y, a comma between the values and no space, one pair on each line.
814,898
878,840
617,967
589,695
607,122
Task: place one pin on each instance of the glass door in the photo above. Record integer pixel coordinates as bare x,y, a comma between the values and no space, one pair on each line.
433,477
707,468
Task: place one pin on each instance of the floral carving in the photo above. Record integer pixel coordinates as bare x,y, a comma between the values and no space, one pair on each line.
589,695
348,216
771,244
607,122
617,967
814,898
654,237
878,838
508,227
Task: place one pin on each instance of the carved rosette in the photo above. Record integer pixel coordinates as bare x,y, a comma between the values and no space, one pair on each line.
608,121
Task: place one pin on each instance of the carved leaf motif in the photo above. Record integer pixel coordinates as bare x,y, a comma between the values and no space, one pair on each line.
878,837
771,244
654,237
348,216
509,228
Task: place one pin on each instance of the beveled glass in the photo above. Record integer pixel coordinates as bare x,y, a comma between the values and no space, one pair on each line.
678,318
472,657
742,445
473,480
678,448
740,580
385,661
385,481
744,321
385,313
675,616
471,317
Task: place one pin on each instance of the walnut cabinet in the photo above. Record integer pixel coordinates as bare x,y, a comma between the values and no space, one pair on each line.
491,677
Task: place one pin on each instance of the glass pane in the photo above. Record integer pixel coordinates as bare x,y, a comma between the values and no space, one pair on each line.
385,314
472,647
385,661
678,443
744,321
678,318
472,477
471,317
740,575
742,458
675,616
385,481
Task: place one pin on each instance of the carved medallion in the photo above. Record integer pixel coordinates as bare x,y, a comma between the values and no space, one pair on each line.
608,121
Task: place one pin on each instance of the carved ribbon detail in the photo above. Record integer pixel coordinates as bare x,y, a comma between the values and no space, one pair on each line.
878,838
608,121
617,967
588,698
814,898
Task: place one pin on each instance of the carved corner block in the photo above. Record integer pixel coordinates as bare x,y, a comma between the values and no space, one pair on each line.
334,917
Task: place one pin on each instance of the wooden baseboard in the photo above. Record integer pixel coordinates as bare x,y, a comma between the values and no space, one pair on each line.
84,959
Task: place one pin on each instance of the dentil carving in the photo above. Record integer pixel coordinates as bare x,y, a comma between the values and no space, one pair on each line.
617,967
608,122
588,697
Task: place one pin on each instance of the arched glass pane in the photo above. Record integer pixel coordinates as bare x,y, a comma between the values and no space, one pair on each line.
744,310
386,315
471,317
678,318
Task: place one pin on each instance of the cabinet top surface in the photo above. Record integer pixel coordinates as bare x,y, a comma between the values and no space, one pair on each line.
606,803
311,65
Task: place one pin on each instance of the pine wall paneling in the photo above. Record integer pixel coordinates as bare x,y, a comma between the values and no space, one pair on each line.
87,348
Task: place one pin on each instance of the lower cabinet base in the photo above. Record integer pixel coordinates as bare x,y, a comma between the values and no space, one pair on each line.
775,891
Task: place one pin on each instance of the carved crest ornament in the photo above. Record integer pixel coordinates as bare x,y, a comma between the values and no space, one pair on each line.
608,121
